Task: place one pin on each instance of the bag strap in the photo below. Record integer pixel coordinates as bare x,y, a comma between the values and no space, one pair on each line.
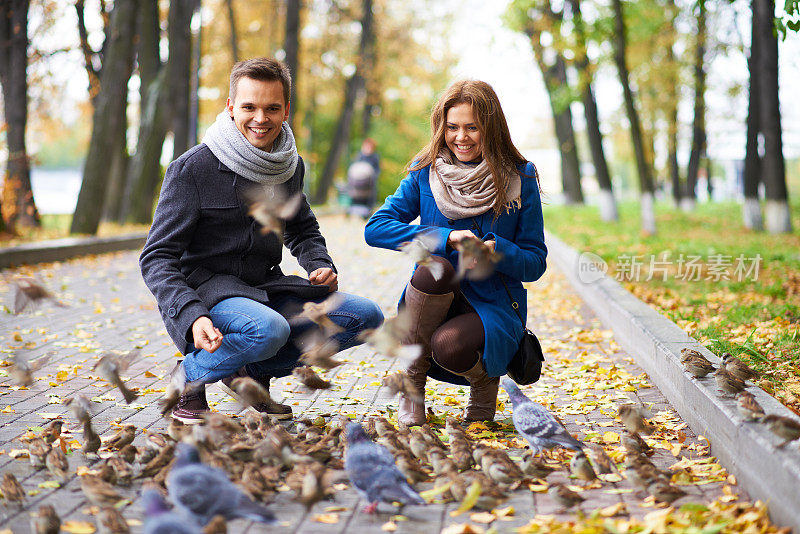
514,303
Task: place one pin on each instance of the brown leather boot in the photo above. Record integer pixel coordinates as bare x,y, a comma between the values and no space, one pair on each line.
426,312
482,393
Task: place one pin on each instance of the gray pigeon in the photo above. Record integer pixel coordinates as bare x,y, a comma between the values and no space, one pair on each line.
200,491
159,520
372,471
536,424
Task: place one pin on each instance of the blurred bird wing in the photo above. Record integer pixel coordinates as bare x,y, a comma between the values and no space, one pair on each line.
126,360
289,208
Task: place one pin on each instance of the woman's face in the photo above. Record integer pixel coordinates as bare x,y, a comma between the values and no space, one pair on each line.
461,134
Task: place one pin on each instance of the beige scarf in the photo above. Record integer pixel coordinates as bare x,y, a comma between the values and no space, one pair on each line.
462,190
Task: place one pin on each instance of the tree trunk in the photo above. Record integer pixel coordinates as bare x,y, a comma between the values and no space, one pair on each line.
194,101
145,171
234,32
117,204
179,72
778,219
555,82
608,206
117,173
673,98
751,175
565,134
642,166
291,46
107,120
145,168
699,122
341,136
20,208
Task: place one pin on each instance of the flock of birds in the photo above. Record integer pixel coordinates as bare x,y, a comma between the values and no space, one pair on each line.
731,378
197,478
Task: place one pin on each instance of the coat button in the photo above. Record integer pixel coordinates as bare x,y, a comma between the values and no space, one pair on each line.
172,312
451,222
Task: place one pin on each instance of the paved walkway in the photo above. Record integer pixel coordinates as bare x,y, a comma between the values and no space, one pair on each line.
587,376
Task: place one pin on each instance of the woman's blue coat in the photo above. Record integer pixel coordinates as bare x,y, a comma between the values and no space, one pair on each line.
519,237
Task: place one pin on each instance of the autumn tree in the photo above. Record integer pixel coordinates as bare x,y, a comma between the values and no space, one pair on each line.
108,121
535,19
352,90
698,123
643,167
19,208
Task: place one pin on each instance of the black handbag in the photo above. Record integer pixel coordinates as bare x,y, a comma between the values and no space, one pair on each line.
526,365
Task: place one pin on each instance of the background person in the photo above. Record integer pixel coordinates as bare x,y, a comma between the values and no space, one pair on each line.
362,180
469,182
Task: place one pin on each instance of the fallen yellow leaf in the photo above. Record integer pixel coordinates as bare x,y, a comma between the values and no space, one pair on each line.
78,527
328,519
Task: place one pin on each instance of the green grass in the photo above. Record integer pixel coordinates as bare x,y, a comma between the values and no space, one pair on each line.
756,318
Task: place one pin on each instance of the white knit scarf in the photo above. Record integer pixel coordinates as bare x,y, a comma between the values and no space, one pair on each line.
237,153
462,190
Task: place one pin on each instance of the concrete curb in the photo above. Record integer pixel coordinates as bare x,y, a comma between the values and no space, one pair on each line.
69,247
746,449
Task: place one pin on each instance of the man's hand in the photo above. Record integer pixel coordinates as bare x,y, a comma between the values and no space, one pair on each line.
206,335
324,277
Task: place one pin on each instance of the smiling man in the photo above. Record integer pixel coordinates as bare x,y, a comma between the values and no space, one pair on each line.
213,270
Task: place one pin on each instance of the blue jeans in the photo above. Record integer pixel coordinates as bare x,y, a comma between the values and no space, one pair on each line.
262,338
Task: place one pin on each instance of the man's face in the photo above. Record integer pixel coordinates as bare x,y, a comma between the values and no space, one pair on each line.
259,111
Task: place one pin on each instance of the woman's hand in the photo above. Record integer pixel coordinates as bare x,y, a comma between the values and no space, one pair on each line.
458,235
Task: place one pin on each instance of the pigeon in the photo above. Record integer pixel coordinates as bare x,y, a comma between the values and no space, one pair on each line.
534,423
420,251
372,471
738,368
177,386
110,365
21,369
200,491
270,208
476,259
309,378
158,518
29,293
46,521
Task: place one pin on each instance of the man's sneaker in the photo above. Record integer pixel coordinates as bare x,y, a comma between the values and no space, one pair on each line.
192,406
275,409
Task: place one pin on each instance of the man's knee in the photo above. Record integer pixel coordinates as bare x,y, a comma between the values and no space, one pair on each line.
372,316
267,334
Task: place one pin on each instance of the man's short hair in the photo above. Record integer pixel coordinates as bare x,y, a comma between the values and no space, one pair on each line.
265,69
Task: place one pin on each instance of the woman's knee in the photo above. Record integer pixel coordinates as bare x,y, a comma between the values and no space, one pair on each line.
425,281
